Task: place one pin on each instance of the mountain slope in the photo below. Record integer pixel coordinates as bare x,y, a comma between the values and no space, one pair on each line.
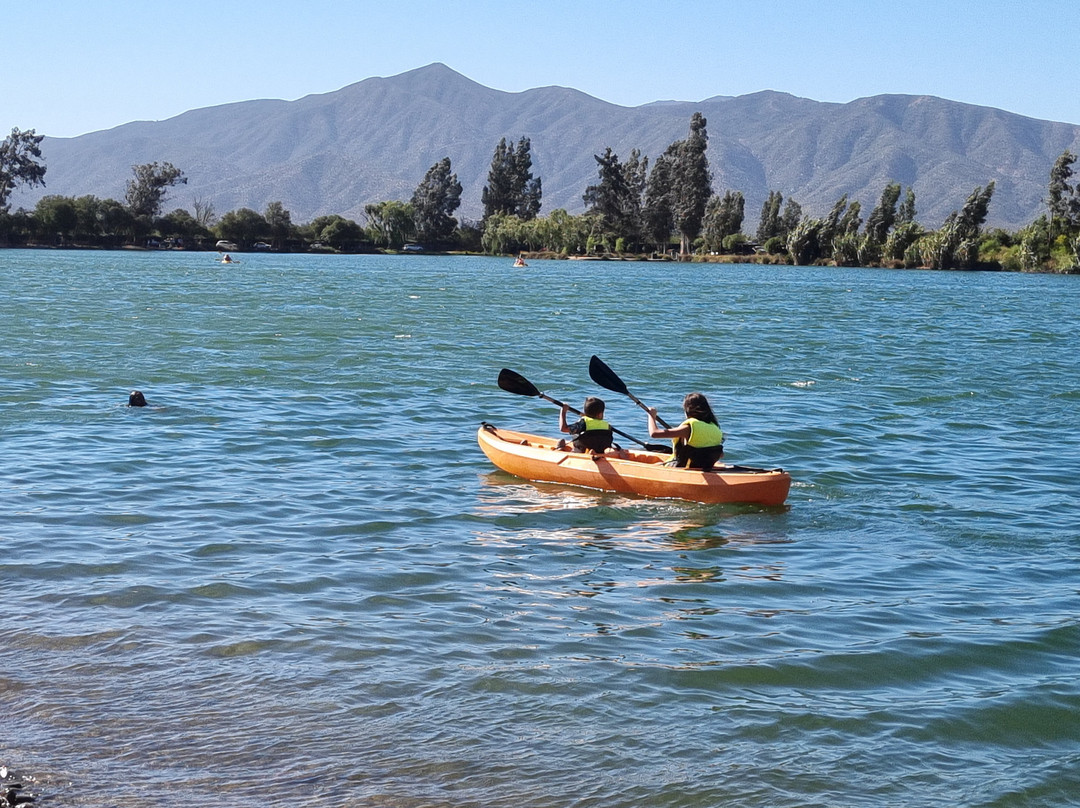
373,140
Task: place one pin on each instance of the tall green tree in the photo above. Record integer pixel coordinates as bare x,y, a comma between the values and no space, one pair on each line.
434,201
691,182
830,225
1063,198
19,155
769,223
883,216
790,218
616,198
851,221
906,212
147,190
511,187
279,223
657,218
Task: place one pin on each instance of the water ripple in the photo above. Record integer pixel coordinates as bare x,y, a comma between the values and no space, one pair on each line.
294,577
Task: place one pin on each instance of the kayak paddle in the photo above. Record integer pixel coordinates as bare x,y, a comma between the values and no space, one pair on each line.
517,384
606,378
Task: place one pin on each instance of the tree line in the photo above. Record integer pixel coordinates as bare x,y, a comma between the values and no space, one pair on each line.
668,208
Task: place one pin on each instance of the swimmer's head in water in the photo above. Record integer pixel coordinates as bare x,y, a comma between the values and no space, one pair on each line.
136,399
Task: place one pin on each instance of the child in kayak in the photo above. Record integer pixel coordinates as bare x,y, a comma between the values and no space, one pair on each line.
699,441
591,432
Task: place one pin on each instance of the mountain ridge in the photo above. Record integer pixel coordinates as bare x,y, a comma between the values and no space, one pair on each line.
374,139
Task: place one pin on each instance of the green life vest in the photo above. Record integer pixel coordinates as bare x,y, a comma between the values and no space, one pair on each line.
703,448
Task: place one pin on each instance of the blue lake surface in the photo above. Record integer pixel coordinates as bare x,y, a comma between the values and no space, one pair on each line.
295,579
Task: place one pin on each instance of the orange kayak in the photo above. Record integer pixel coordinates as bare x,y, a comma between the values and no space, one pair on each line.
630,471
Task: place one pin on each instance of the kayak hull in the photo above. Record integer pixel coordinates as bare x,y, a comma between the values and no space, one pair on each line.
536,458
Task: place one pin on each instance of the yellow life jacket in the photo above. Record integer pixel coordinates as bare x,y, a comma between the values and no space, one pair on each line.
702,449
703,434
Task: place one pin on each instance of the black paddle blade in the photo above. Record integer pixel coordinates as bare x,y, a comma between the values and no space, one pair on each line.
515,383
605,376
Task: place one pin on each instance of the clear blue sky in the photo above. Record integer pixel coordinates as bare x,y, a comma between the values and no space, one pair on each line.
73,66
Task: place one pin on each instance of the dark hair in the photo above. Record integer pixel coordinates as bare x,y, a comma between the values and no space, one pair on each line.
136,399
594,407
695,405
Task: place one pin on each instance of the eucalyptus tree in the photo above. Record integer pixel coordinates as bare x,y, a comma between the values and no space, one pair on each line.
19,155
511,187
146,191
434,201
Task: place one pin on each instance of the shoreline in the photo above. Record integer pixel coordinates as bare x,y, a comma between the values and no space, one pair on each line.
762,259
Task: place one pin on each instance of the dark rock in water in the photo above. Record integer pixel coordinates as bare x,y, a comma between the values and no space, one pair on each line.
11,790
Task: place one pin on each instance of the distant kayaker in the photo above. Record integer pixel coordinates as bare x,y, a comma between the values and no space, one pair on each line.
699,441
520,262
136,399
591,432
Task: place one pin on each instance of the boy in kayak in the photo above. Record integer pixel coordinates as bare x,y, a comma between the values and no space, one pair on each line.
699,441
591,432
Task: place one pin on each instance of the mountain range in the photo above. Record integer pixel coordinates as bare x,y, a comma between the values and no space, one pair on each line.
374,140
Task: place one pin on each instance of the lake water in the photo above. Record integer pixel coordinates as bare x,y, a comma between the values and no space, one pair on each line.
294,579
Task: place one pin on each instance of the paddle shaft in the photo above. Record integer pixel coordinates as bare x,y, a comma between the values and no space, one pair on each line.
609,379
643,406
513,382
